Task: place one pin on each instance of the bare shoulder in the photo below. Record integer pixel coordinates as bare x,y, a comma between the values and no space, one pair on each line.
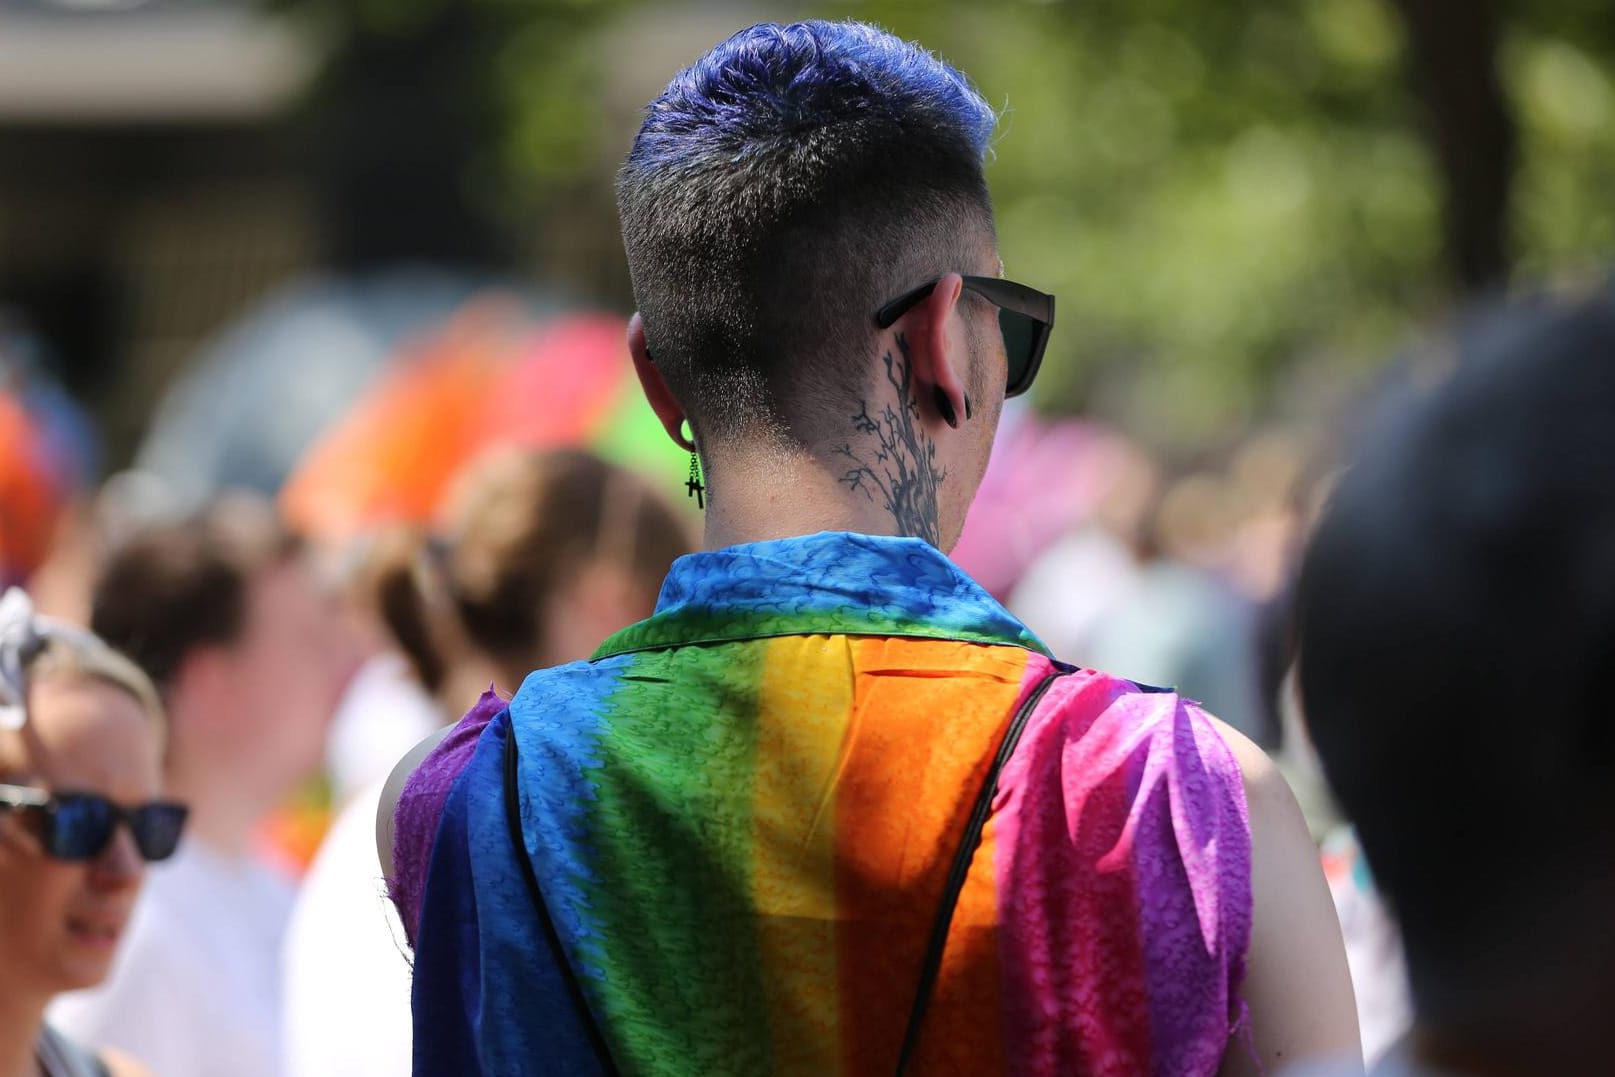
394,788
121,1065
1261,775
1297,984
1281,845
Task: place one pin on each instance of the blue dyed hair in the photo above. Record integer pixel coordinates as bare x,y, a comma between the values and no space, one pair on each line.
781,189
769,82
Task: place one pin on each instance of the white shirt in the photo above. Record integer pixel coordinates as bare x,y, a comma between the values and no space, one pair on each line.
1066,594
383,714
347,970
195,989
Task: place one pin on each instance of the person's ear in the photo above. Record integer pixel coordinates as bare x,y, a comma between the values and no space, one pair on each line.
660,397
938,350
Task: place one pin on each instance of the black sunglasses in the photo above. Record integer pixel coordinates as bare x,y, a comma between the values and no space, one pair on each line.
78,826
1025,317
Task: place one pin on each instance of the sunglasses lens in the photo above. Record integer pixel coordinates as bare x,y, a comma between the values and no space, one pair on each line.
80,827
157,829
1020,339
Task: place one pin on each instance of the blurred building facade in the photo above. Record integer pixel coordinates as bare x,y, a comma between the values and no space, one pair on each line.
150,185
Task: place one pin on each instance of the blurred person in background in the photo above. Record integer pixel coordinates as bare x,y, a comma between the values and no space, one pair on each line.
1067,592
224,614
542,555
1457,633
741,839
493,377
81,812
1133,591
1373,944
539,557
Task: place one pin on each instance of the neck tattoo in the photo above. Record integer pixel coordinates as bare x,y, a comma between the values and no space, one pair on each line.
900,463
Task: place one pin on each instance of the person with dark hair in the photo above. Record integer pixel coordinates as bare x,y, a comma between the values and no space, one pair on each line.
832,809
539,556
1456,628
223,613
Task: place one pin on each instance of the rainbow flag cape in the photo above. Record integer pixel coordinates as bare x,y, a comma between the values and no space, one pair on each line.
739,816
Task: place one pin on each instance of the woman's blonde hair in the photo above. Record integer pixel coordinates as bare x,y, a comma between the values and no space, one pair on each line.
519,524
73,652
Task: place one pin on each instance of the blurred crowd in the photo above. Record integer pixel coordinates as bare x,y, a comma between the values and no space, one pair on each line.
433,541
493,498
381,493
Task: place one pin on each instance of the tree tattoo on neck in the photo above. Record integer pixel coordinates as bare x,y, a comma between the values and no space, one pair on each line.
903,470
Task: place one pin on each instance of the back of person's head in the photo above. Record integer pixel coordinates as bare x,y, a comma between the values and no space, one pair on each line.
1456,620
223,612
540,556
782,188
176,587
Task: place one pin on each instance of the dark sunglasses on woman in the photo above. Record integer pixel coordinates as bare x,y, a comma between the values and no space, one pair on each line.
1025,317
78,826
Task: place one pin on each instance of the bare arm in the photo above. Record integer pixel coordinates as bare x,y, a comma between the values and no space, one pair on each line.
121,1065
1297,985
393,789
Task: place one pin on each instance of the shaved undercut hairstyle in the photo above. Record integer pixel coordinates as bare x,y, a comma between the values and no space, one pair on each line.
784,187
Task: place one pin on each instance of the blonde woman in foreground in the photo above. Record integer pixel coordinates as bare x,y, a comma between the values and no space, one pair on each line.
81,812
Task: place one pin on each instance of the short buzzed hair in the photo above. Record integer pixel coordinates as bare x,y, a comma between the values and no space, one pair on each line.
782,188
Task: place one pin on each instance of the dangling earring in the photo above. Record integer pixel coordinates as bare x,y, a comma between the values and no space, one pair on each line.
695,486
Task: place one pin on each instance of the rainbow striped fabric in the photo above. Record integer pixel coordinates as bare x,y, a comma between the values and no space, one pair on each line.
741,813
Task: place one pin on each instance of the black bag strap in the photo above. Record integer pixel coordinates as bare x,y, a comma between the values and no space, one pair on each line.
961,868
929,968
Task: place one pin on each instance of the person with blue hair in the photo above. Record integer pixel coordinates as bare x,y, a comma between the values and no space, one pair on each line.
831,809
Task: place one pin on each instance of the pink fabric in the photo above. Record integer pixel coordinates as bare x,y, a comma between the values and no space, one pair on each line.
1043,480
1122,854
1123,859
420,806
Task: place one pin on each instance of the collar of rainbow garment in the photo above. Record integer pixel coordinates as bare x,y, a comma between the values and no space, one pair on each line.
833,583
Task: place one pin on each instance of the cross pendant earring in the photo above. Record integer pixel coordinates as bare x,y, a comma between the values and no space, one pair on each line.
695,486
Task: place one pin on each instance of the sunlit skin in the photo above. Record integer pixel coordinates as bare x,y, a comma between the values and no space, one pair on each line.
763,491
1297,986
250,717
61,921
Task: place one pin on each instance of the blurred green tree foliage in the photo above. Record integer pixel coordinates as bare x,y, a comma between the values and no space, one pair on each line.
1227,198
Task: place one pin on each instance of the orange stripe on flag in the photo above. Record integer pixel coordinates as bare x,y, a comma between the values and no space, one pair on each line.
927,717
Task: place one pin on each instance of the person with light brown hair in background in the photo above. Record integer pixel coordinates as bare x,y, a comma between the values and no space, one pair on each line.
225,615
539,557
81,812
